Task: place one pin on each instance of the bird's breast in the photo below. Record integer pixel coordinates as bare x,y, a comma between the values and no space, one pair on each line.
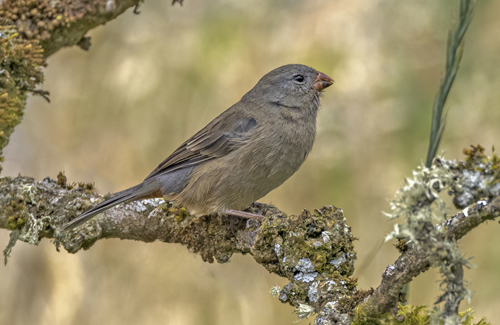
275,155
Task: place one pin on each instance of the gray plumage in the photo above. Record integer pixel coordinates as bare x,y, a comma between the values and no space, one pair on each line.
243,154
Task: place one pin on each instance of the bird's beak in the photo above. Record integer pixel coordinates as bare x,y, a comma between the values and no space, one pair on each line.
322,81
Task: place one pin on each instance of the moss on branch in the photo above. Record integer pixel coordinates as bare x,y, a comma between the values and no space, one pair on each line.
61,23
20,70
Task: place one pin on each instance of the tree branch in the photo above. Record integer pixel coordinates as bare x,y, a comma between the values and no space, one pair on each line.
61,23
39,209
31,31
415,261
313,250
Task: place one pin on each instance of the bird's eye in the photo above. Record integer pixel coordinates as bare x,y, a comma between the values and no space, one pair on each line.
298,78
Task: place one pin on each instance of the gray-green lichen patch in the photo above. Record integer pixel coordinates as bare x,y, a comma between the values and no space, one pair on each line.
37,209
314,251
480,177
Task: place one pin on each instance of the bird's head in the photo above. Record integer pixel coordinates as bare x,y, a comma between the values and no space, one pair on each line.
294,85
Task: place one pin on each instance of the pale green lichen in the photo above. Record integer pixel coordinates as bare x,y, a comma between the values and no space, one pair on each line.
420,203
14,236
419,200
32,234
275,291
21,222
422,207
304,311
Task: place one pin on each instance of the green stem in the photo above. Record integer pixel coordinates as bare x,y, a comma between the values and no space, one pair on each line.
453,57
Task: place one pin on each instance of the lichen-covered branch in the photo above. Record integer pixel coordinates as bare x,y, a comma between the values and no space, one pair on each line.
428,238
39,209
61,23
471,217
313,250
414,261
30,31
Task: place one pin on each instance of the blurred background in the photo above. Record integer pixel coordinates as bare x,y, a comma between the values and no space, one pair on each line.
152,80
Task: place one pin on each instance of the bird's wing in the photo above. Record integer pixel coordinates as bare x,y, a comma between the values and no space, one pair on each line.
224,134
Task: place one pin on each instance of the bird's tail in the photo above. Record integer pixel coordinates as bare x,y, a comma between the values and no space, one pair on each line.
128,195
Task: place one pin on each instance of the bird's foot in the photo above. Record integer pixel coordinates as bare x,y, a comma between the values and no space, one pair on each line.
245,214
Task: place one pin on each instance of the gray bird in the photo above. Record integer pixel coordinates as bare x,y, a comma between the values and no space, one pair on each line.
243,154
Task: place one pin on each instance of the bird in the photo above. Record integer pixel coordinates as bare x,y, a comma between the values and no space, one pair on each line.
243,154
